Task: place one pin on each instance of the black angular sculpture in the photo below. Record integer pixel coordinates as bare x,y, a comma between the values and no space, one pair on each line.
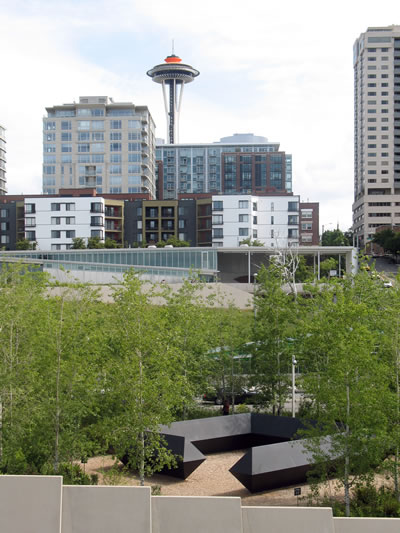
271,461
274,466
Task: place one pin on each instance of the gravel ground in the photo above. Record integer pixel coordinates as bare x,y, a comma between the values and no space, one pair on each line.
211,478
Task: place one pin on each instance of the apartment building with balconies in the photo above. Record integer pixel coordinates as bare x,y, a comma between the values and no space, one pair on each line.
101,144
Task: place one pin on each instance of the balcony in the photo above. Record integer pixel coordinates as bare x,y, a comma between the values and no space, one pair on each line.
112,225
96,207
115,212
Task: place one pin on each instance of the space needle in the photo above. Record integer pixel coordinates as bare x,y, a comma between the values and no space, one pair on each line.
173,74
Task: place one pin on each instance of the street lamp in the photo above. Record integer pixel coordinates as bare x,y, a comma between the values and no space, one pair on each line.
294,363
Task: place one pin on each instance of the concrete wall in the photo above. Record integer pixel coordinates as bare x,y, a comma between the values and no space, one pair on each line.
285,519
30,504
90,509
366,525
178,514
33,504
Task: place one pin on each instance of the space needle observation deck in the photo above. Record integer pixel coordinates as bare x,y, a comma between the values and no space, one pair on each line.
173,74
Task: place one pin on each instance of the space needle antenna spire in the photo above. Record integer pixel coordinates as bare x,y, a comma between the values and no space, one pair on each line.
173,74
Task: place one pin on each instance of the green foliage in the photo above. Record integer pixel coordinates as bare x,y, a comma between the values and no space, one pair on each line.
388,239
111,243
251,242
24,244
327,265
72,474
335,238
173,241
95,242
273,332
78,243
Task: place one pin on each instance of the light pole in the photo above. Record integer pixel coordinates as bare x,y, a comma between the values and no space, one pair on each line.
294,363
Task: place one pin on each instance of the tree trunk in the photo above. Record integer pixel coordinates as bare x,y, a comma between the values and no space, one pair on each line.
396,457
58,376
346,459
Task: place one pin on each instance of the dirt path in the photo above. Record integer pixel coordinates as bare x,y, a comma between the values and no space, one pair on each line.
211,478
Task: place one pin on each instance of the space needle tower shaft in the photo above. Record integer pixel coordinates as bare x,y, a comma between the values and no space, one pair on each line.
173,75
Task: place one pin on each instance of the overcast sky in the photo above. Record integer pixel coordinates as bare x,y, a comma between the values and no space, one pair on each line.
278,69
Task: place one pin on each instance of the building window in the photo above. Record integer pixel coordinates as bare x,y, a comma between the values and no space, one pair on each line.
70,234
97,233
115,136
134,147
83,124
254,206
217,219
218,233
218,206
55,221
243,218
30,208
293,219
70,207
272,219
70,220
96,207
272,234
55,234
83,148
4,213
255,234
293,206
31,221
115,147
243,204
30,235
56,207
306,226
243,232
255,220
115,124
96,221
97,125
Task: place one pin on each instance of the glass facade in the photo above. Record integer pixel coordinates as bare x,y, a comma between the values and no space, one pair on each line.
170,264
211,168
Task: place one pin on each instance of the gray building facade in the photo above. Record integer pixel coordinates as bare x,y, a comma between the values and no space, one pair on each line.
99,143
376,58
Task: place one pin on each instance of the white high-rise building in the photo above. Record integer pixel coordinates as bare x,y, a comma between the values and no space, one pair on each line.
99,143
376,131
3,182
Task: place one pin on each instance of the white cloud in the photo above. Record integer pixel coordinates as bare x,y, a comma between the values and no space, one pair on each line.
282,70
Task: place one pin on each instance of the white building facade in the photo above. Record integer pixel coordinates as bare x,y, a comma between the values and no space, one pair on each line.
99,143
53,223
376,131
272,220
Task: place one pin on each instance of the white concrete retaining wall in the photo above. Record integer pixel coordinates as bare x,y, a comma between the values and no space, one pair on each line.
286,519
91,509
179,514
366,525
40,504
30,504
